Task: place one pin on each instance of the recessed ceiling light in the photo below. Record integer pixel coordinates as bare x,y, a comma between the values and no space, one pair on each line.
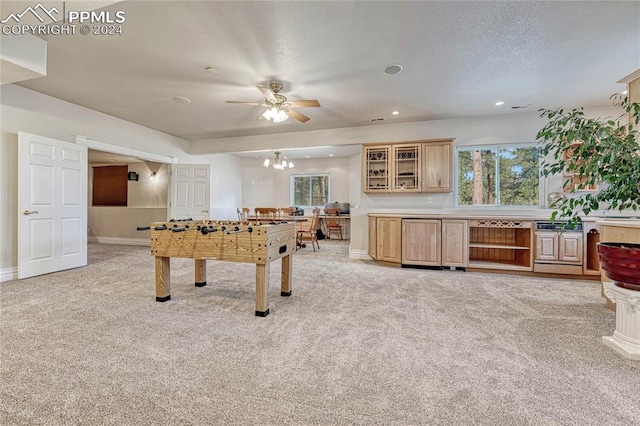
182,100
625,92
330,155
395,112
211,70
393,69
308,156
499,103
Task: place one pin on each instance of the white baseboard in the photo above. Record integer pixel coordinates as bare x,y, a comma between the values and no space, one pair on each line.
8,274
359,254
121,241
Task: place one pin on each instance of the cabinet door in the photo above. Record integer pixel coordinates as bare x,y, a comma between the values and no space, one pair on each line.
437,160
406,167
372,238
421,242
570,247
455,243
375,168
388,239
546,246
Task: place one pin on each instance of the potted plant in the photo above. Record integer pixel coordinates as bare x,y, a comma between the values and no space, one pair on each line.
602,153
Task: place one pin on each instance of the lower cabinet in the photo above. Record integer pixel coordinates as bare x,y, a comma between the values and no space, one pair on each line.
373,241
455,243
389,239
421,242
559,252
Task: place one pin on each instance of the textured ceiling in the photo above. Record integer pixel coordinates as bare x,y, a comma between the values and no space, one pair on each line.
459,58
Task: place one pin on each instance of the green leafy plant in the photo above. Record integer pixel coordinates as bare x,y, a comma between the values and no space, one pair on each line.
592,152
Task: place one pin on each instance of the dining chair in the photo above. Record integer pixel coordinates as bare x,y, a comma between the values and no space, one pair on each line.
285,212
243,213
265,212
310,231
333,222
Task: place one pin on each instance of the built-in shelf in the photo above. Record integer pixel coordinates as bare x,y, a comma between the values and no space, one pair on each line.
501,244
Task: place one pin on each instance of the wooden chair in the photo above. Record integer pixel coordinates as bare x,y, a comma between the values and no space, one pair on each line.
332,222
311,231
265,212
243,213
285,212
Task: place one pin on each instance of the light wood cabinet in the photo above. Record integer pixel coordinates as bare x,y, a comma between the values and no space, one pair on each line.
375,168
420,166
437,172
559,252
565,247
421,242
406,168
455,243
389,239
372,249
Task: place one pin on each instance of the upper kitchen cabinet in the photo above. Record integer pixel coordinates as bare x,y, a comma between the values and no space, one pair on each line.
406,167
419,166
375,168
437,161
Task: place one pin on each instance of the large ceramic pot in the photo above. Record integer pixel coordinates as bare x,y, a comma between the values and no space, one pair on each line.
621,263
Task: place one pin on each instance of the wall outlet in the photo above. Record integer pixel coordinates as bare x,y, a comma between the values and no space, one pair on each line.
428,200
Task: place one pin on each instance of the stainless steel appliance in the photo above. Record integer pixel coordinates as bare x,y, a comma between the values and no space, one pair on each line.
344,207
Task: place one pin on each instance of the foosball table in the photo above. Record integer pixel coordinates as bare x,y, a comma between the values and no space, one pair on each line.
259,242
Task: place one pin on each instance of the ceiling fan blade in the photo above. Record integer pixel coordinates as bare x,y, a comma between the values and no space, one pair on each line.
261,117
267,92
304,104
295,114
248,103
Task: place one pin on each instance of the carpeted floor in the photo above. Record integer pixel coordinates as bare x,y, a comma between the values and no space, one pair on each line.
356,343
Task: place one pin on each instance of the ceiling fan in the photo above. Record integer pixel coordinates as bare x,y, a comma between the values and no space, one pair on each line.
278,107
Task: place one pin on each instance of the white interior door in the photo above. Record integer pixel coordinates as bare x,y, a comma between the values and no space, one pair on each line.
189,193
52,203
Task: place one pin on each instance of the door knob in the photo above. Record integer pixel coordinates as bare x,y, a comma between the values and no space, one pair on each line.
27,212
204,211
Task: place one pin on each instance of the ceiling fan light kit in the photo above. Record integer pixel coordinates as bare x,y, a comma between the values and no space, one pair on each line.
275,115
278,107
277,162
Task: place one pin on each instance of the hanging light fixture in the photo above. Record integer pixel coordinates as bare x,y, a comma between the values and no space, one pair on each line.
275,114
278,162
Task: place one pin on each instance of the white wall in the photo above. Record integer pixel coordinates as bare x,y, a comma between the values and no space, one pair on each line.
32,112
268,187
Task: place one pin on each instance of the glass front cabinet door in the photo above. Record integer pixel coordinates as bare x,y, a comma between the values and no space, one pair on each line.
406,168
376,162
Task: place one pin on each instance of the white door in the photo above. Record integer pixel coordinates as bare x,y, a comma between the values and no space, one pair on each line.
52,203
189,196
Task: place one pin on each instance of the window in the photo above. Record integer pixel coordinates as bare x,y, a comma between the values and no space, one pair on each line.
498,175
309,190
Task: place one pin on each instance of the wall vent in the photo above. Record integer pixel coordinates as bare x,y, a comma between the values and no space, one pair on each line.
521,106
373,120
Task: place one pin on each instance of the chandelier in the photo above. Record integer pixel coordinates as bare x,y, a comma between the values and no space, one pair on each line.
275,114
278,162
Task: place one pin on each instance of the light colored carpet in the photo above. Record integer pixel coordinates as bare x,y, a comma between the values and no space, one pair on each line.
356,343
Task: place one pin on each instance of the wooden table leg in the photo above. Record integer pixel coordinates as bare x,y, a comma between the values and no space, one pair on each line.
285,285
262,289
201,272
163,279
